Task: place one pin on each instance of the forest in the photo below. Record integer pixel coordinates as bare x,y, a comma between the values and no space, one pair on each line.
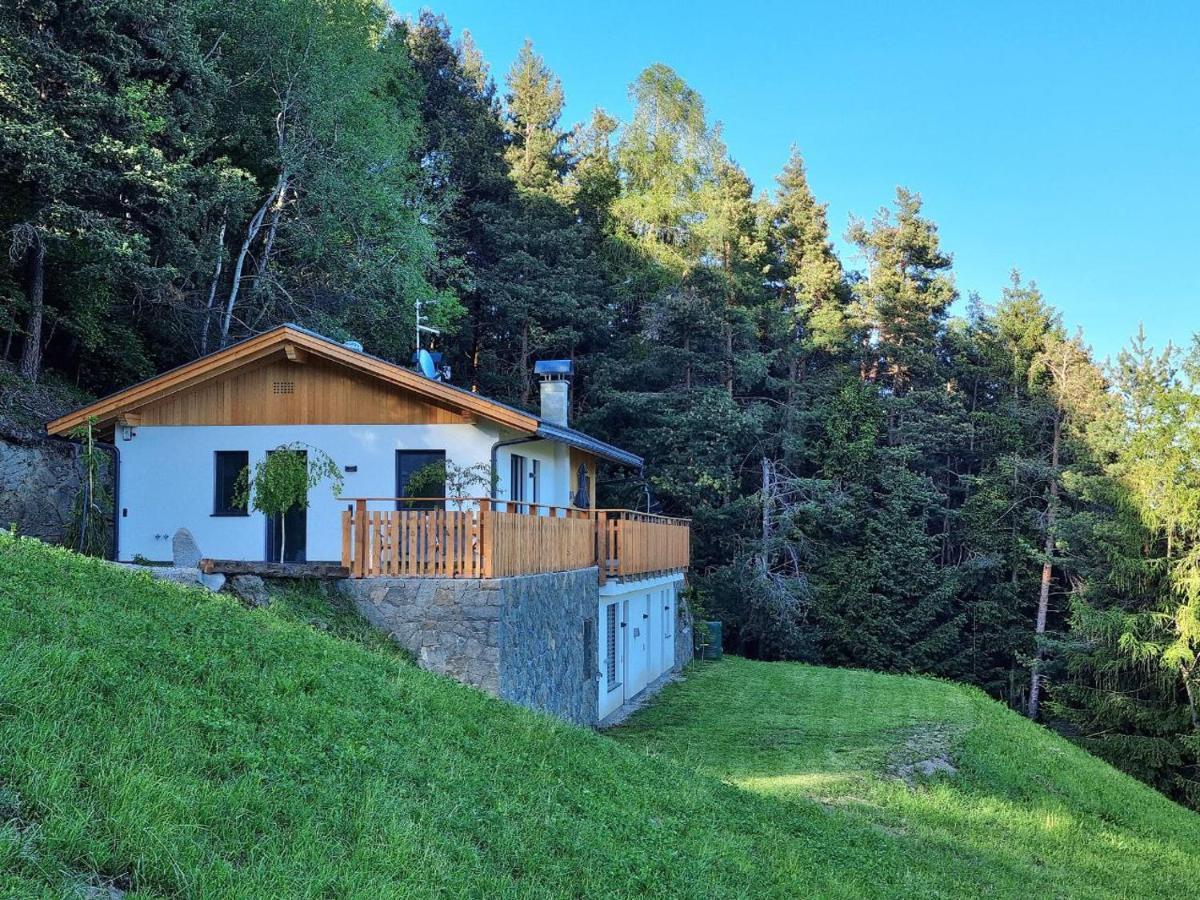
882,474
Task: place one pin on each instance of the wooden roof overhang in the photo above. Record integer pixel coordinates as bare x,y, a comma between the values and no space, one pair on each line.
295,343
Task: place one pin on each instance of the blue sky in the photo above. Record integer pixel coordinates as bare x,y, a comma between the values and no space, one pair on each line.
1059,138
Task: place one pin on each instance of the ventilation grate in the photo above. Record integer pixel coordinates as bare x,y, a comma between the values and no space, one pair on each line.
284,387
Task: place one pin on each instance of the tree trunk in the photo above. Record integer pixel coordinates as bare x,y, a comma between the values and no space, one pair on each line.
1191,696
276,212
35,292
526,383
729,300
252,231
687,365
1047,568
729,357
763,557
212,288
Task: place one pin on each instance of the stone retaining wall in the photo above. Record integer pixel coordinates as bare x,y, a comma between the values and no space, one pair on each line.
548,652
39,480
526,639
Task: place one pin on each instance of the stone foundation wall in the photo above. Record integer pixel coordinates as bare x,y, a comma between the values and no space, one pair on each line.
521,638
451,626
548,652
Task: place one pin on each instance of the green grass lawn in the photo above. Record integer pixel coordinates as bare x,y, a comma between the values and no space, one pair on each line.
1026,813
177,745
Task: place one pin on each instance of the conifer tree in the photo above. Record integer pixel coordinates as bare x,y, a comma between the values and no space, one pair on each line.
809,273
533,105
906,294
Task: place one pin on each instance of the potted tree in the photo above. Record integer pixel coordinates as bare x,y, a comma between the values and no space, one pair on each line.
282,479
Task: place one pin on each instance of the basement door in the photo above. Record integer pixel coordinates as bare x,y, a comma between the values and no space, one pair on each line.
638,658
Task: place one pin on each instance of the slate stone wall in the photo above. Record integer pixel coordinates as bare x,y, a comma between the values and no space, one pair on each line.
39,478
548,652
684,641
525,639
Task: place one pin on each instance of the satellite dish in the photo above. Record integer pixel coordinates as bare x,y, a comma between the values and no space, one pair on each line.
425,362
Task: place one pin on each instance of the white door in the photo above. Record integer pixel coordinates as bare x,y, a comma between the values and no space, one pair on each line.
668,632
654,601
611,684
638,643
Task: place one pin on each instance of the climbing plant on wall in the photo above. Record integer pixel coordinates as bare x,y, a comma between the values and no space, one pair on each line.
88,531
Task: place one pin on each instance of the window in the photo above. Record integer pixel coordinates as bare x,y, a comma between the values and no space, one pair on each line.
535,481
517,475
420,473
610,664
228,466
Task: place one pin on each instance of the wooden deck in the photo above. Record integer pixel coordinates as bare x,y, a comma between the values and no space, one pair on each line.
475,537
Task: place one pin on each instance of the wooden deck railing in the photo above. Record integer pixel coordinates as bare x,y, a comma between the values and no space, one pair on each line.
634,543
474,537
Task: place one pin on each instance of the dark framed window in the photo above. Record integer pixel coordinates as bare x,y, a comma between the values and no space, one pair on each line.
420,473
535,481
227,466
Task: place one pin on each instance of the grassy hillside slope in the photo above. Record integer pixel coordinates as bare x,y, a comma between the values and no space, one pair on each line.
174,744
1022,811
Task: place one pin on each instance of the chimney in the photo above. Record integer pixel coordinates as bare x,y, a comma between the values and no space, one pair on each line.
555,377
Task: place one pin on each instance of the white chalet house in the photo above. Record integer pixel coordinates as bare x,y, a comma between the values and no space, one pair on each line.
183,438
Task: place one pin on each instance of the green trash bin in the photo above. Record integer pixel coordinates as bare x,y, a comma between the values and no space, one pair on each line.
712,650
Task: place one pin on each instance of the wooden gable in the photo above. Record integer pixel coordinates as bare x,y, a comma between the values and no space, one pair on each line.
279,392
289,376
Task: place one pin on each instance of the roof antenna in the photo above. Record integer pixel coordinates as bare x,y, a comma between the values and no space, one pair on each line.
421,326
429,366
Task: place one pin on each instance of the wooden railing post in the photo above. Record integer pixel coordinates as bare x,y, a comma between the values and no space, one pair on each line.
361,568
346,531
602,545
485,540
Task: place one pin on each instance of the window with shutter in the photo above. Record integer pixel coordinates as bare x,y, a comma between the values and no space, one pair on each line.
610,673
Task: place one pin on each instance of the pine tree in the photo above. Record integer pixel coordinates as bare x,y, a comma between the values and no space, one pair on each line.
809,273
534,104
104,124
907,292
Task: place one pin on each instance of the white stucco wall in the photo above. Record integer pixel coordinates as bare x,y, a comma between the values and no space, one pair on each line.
167,479
557,482
647,606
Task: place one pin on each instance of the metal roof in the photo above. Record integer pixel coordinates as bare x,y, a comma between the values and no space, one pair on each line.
586,442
